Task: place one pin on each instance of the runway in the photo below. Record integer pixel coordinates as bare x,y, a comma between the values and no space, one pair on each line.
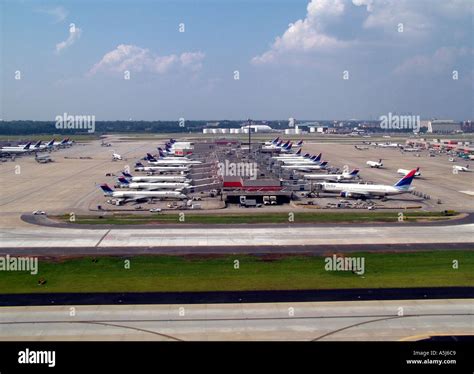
314,321
234,236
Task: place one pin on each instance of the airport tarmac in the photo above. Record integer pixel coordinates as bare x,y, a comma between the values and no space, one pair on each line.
65,185
437,179
70,184
310,321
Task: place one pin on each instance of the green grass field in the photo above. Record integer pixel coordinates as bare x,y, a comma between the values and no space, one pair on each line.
240,218
217,273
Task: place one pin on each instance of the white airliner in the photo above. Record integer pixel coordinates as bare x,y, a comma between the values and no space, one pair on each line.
284,148
156,178
461,168
151,186
405,172
42,147
371,190
375,164
274,141
306,159
63,143
125,196
333,177
116,157
161,169
175,161
306,167
17,149
291,155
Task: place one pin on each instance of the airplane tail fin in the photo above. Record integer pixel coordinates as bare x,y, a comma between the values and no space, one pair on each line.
318,157
38,144
354,172
27,145
300,143
126,175
149,157
324,163
106,189
51,142
138,165
161,154
123,180
405,182
299,152
306,155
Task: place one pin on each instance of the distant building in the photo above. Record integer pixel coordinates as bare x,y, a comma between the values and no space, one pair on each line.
443,126
256,128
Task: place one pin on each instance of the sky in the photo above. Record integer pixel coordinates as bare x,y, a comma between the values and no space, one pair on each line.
165,60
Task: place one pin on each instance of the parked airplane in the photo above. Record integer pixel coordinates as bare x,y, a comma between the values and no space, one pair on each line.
17,149
274,141
156,178
43,147
405,172
178,161
277,145
290,155
151,186
126,196
461,168
161,169
302,160
116,157
356,190
306,167
375,164
333,177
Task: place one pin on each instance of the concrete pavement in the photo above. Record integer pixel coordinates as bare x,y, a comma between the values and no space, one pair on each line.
316,321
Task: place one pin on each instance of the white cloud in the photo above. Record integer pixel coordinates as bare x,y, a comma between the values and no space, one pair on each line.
417,17
307,34
130,57
72,38
59,13
441,60
311,34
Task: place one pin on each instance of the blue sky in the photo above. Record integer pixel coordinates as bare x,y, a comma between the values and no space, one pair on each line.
290,55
